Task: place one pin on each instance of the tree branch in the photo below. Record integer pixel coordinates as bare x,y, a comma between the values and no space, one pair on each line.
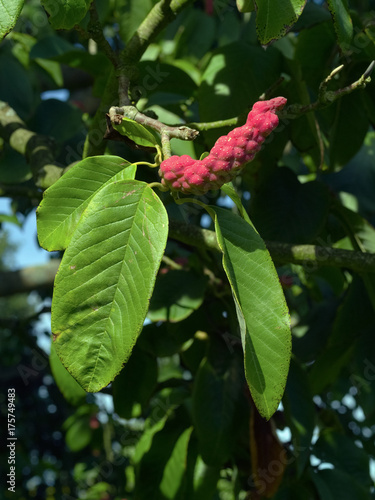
309,256
39,150
28,279
305,255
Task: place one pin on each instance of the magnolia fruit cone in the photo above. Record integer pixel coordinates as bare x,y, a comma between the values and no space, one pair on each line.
227,157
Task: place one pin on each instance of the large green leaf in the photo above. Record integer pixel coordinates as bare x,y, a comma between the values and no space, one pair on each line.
64,202
70,389
261,306
162,453
135,384
342,22
284,209
274,19
215,410
177,294
105,281
65,14
9,12
300,413
175,468
347,140
237,73
344,454
334,483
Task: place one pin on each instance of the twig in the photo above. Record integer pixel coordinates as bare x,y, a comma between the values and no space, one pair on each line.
327,97
166,132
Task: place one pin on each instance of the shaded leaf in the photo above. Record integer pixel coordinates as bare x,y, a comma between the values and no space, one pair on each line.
105,281
215,404
239,72
135,384
177,294
70,389
64,14
342,22
65,201
300,412
285,210
334,483
341,451
347,140
274,19
261,308
175,468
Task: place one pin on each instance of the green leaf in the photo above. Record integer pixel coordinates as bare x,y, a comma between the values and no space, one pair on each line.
215,406
16,87
160,77
177,294
261,306
145,442
135,384
274,19
130,14
347,140
64,202
79,433
10,219
334,483
105,281
9,12
14,168
245,5
44,120
300,413
175,468
239,72
205,480
342,22
285,210
136,132
65,14
164,449
70,389
344,454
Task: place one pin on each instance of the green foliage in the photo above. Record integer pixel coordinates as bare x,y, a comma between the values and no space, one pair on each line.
188,364
274,20
65,14
9,12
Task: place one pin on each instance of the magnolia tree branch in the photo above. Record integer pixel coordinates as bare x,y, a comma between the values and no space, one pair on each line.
310,256
28,279
125,64
39,150
325,98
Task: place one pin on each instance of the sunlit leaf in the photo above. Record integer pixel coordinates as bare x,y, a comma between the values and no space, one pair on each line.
105,281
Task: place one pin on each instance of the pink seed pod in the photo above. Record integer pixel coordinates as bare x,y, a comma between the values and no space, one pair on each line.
228,155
